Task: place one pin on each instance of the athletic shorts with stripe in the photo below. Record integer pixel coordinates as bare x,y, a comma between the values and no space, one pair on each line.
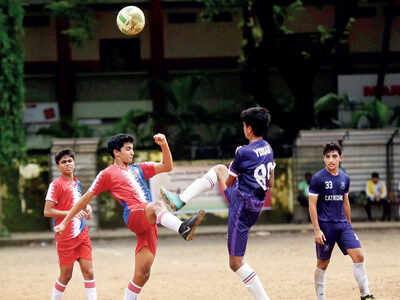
73,249
243,214
146,233
341,233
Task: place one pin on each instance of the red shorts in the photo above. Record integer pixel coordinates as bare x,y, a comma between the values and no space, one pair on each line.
71,250
147,234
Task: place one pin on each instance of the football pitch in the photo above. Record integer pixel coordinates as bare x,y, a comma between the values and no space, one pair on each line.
199,269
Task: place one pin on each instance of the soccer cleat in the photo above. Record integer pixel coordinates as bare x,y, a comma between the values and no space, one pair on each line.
189,226
369,297
172,199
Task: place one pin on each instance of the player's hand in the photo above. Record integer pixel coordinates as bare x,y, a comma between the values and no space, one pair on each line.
80,215
89,212
377,198
319,237
160,139
59,228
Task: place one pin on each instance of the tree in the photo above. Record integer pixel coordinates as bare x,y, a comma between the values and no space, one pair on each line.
74,24
268,42
12,138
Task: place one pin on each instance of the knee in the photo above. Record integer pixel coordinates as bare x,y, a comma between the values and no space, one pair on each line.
358,258
235,265
322,264
65,277
144,274
221,171
156,206
88,273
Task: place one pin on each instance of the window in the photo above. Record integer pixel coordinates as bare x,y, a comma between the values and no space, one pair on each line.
120,54
181,18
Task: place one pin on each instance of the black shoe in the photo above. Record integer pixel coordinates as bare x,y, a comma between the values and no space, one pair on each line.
188,227
368,297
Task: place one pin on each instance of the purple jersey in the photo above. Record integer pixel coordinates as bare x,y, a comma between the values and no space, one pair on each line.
252,165
330,190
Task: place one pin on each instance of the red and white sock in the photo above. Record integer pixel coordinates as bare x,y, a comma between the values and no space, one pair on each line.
58,291
132,292
166,219
90,288
200,185
252,282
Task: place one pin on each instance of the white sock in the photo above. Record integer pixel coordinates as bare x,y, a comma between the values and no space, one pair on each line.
58,291
361,277
168,220
252,282
319,282
90,288
200,185
132,292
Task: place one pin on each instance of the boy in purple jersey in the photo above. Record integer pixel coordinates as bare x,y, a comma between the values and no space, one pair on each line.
245,183
329,208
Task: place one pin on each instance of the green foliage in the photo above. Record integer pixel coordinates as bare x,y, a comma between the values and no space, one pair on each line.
138,123
285,15
67,129
12,138
183,112
80,15
374,113
395,118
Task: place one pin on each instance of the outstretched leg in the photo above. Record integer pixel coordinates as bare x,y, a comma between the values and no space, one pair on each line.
158,211
217,174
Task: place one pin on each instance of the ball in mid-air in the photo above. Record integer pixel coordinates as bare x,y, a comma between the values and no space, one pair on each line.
130,20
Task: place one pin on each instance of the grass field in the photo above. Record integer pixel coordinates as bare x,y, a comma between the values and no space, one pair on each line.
199,269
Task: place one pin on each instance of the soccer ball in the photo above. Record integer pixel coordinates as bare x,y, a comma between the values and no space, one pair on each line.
130,20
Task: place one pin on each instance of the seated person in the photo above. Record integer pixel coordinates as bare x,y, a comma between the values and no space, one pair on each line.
303,189
376,193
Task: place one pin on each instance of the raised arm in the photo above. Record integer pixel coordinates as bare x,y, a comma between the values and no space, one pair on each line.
167,164
80,205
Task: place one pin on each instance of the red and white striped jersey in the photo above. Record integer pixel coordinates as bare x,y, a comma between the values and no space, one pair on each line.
65,193
127,185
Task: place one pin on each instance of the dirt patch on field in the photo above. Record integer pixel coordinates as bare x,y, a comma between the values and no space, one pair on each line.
199,269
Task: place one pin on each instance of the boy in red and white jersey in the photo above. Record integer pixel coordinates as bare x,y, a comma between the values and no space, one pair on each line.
74,243
127,184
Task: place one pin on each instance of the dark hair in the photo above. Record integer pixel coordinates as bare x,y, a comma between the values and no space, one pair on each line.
332,147
375,174
258,118
116,142
307,174
62,153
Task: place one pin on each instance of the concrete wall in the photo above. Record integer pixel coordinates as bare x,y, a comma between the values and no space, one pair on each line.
364,152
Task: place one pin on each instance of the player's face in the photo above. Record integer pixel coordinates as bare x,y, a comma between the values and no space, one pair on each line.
126,153
66,165
332,160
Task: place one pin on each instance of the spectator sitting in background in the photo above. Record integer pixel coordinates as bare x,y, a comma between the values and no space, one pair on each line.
303,189
303,192
376,192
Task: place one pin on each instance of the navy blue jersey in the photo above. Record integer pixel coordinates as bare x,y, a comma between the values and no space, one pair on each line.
252,165
330,190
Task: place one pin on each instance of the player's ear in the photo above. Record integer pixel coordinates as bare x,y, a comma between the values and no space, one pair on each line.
115,151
